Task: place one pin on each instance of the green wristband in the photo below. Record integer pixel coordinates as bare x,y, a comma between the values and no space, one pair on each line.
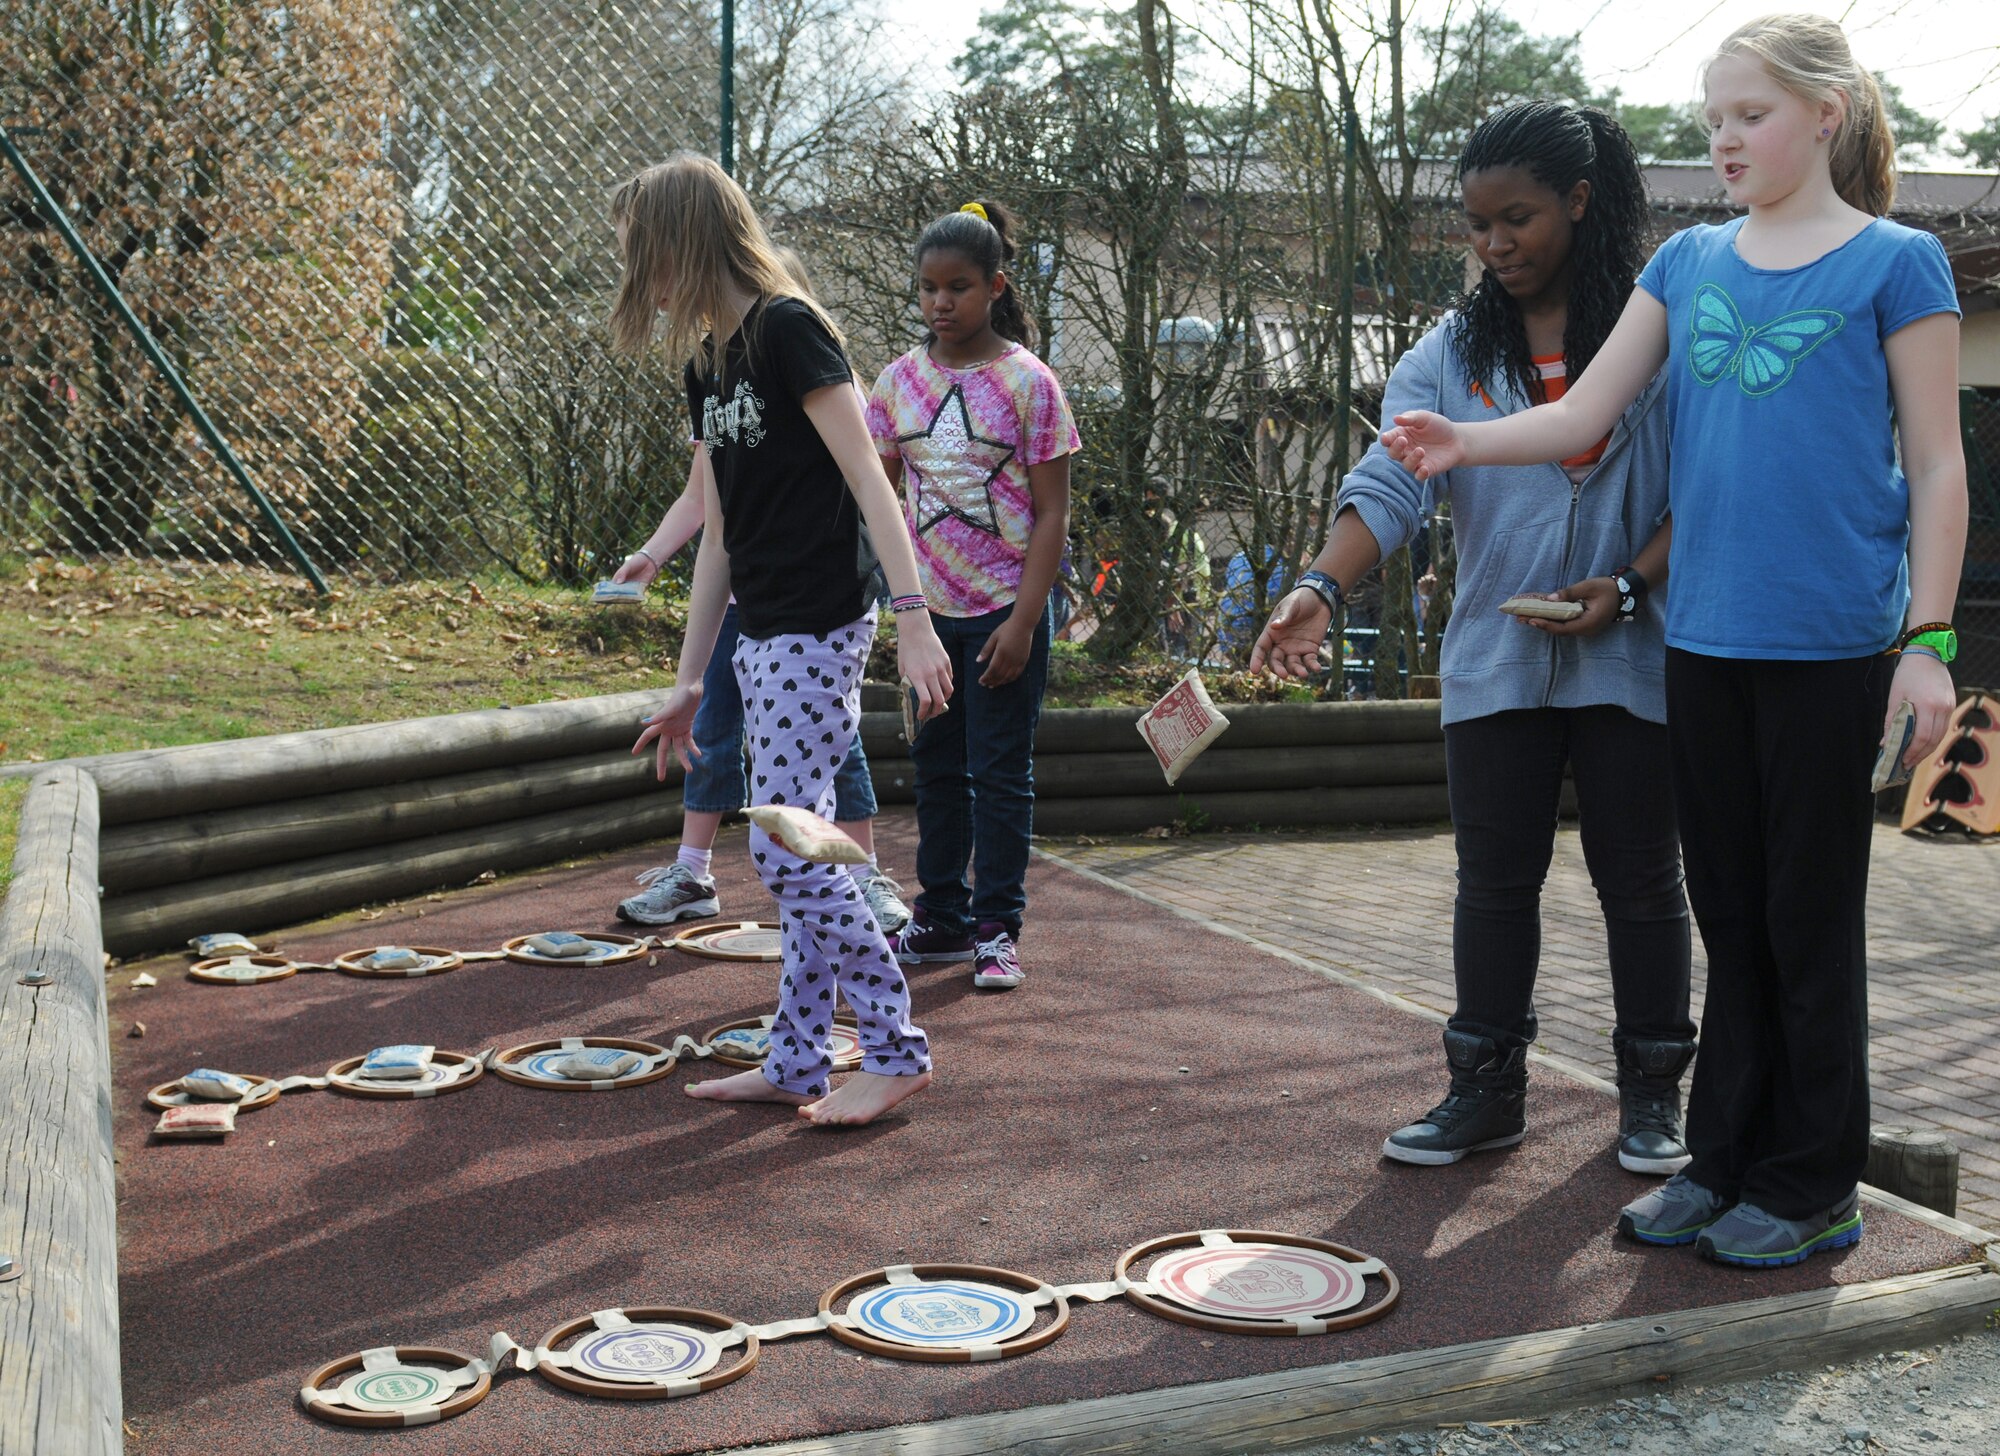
1943,642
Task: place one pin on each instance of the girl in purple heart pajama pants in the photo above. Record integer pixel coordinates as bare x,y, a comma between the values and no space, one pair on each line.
801,709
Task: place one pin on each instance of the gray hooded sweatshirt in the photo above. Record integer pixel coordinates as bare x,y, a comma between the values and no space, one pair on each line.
1527,528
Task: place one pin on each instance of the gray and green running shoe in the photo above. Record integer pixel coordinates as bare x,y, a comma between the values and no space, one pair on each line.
1753,1239
1674,1213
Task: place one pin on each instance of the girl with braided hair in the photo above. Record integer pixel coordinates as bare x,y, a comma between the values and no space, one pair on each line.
1556,207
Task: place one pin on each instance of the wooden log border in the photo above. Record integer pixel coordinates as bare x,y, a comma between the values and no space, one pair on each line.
59,1379
261,832
59,1372
1518,1375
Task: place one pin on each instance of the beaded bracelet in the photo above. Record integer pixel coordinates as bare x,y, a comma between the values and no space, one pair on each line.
907,604
658,565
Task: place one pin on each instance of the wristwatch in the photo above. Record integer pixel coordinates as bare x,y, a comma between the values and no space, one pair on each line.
1325,588
1939,637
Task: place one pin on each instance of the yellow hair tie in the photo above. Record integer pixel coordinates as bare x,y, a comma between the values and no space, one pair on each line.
977,211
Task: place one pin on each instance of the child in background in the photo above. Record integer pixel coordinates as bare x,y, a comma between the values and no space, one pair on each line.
714,786
1812,579
1556,206
787,475
977,431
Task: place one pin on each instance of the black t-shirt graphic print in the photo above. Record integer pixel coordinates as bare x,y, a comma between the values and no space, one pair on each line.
789,523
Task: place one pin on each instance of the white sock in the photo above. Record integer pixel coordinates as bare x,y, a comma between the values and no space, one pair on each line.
865,871
697,860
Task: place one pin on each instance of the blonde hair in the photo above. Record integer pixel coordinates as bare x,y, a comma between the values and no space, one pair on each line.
1809,56
691,238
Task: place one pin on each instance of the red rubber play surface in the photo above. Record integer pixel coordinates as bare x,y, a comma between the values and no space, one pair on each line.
1134,1087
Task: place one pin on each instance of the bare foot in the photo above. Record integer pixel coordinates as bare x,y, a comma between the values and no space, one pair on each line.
750,1086
864,1097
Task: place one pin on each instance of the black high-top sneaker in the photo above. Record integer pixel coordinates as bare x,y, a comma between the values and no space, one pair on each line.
1486,1107
1649,1106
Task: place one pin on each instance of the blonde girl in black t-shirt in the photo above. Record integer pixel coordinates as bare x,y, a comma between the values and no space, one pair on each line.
771,399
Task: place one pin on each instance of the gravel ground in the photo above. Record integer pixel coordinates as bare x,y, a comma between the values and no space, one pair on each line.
1941,1401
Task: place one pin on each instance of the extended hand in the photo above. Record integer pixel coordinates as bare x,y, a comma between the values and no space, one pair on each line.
672,727
638,567
1290,642
1925,684
1424,444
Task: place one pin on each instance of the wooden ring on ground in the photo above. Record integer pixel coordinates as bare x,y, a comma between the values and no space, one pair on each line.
843,1021
425,1414
709,940
340,1076
1279,1324
627,949
169,1094
944,1354
272,968
437,962
636,1390
506,1065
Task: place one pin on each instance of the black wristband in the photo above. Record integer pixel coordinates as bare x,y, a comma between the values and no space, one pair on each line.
1632,590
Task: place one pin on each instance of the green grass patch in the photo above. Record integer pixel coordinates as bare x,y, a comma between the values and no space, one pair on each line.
12,791
121,656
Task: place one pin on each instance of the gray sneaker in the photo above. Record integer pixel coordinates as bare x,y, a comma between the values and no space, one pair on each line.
885,901
1674,1213
673,892
1749,1237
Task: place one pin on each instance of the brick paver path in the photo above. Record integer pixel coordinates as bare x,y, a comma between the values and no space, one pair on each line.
1376,905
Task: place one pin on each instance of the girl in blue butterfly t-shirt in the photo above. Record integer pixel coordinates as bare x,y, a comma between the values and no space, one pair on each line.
1812,583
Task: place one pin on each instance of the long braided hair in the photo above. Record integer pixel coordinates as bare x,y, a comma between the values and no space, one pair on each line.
984,239
1559,145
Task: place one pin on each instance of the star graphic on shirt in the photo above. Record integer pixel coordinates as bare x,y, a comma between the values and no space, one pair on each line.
952,469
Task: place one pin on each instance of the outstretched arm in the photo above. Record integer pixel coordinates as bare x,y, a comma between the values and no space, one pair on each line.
1429,444
1290,642
671,729
1923,376
835,412
676,529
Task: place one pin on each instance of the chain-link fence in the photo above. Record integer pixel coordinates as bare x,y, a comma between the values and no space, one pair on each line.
372,235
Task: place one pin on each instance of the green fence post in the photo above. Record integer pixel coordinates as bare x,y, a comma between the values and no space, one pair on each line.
54,213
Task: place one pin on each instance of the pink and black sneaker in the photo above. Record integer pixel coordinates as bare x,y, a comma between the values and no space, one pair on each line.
996,964
918,942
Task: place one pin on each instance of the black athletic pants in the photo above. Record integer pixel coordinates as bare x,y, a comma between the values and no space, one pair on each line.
1770,765
1506,777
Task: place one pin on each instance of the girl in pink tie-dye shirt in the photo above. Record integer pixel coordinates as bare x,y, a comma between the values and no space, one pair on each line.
976,429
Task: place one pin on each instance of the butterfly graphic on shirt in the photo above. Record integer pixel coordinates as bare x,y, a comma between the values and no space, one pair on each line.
1763,357
952,468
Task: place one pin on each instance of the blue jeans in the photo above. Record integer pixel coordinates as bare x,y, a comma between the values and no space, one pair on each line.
975,772
715,784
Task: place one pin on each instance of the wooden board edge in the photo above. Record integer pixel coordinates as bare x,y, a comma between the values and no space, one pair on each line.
59,1368
1514,1375
1944,1223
